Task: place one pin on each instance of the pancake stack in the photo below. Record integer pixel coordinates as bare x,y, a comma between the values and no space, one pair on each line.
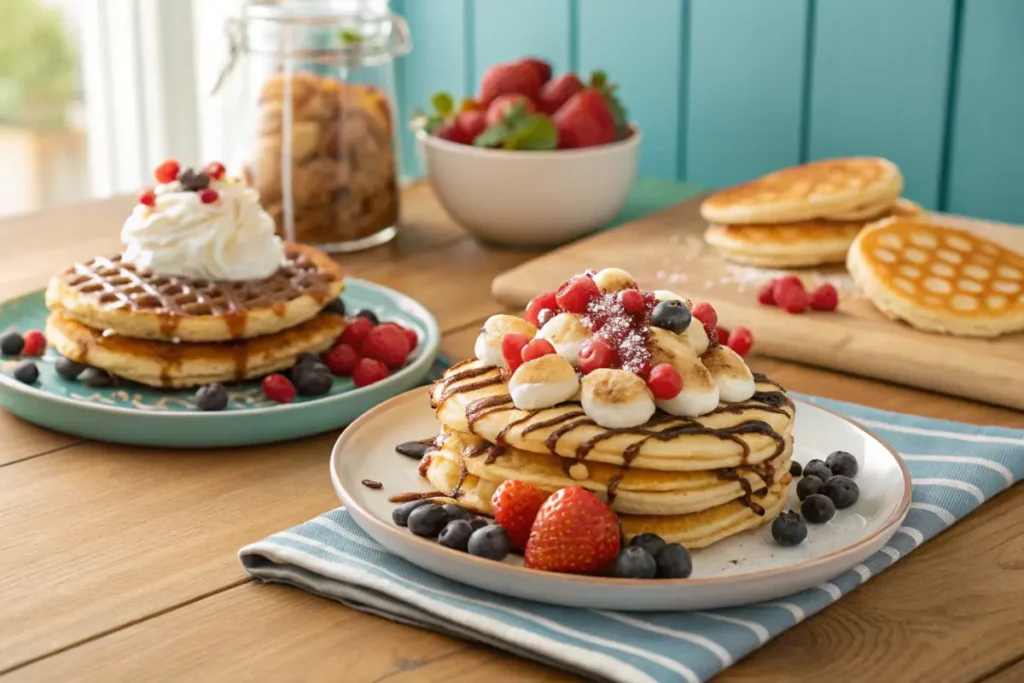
695,468
806,215
172,332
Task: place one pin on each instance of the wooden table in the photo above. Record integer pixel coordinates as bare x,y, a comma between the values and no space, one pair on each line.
119,564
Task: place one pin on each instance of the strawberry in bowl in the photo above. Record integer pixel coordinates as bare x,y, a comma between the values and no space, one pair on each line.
530,160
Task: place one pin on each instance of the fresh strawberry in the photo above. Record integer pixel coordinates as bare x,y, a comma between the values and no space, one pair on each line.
584,121
594,354
496,112
536,348
825,298
542,68
515,506
557,92
35,343
665,382
740,341
512,345
538,304
501,79
388,344
451,131
341,360
470,124
574,532
575,294
355,332
368,371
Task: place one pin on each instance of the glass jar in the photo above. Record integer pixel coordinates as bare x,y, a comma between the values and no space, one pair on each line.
311,91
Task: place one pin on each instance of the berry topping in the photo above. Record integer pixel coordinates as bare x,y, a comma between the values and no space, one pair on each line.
96,378
512,345
652,543
167,172
595,354
369,371
35,343
148,198
706,314
790,294
575,295
635,563
208,195
489,542
26,372
388,344
633,301
673,315
341,360
355,332
766,293
455,534
11,344
515,506
842,491
674,562
795,469
627,335
400,515
69,369
664,382
312,379
369,315
740,340
278,388
817,509
574,532
215,170
537,304
411,337
194,182
808,486
842,463
824,298
789,529
537,348
211,397
427,520
816,468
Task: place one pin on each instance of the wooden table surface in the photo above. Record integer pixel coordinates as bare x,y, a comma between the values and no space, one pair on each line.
119,563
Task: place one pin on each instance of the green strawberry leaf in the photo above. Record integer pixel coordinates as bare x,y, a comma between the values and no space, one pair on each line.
533,132
598,79
443,104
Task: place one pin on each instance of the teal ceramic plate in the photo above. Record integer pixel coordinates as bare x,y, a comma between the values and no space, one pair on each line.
135,414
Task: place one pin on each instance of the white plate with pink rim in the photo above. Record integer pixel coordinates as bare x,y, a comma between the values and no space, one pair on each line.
746,568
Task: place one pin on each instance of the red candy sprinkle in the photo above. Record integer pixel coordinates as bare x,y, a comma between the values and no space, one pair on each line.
341,360
664,382
512,345
633,301
368,371
545,301
215,170
825,298
535,349
278,388
574,295
148,198
167,172
355,332
208,195
35,343
793,298
766,294
595,354
740,341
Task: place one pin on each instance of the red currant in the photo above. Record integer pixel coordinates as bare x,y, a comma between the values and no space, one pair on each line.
537,348
278,388
595,354
167,172
825,298
512,345
35,343
633,301
740,341
148,198
785,283
576,294
664,382
792,297
705,313
538,304
208,195
215,170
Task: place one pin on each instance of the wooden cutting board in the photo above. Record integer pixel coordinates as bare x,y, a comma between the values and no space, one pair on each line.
666,251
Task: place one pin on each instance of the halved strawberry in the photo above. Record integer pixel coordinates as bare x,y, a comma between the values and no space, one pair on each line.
574,532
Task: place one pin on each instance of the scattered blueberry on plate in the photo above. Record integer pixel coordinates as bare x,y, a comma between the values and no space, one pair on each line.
789,529
841,463
11,344
427,520
26,372
455,534
795,470
842,491
808,486
635,562
818,509
674,562
817,468
69,369
400,515
652,543
211,397
490,542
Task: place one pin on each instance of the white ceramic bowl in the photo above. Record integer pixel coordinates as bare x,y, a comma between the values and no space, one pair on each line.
530,199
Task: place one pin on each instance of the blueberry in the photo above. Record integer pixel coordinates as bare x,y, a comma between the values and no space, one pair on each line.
808,486
635,563
337,307
671,315
212,397
96,378
842,491
400,515
455,534
817,469
478,523
789,529
69,369
795,469
312,380
304,359
490,542
26,372
427,520
456,511
370,315
818,509
841,463
674,562
652,543
11,344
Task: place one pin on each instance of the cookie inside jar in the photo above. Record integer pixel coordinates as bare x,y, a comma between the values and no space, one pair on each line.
324,160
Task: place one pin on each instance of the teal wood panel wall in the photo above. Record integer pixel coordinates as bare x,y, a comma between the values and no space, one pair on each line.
725,90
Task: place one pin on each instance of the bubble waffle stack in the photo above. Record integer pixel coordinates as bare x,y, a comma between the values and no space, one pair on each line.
204,291
805,215
624,393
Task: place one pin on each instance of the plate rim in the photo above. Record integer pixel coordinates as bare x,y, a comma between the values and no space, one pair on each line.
894,519
432,344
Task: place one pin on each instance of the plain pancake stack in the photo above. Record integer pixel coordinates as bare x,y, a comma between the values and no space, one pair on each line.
806,215
171,332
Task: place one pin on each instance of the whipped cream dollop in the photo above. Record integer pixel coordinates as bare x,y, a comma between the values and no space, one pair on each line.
231,238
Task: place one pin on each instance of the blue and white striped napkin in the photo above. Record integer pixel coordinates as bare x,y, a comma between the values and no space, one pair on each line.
955,468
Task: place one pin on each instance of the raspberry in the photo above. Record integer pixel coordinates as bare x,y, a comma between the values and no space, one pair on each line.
595,354
785,283
512,345
412,337
341,360
537,348
664,382
35,343
355,332
538,304
574,295
766,294
705,313
740,341
208,195
215,170
167,172
148,198
633,301
278,389
793,298
368,371
824,298
388,344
